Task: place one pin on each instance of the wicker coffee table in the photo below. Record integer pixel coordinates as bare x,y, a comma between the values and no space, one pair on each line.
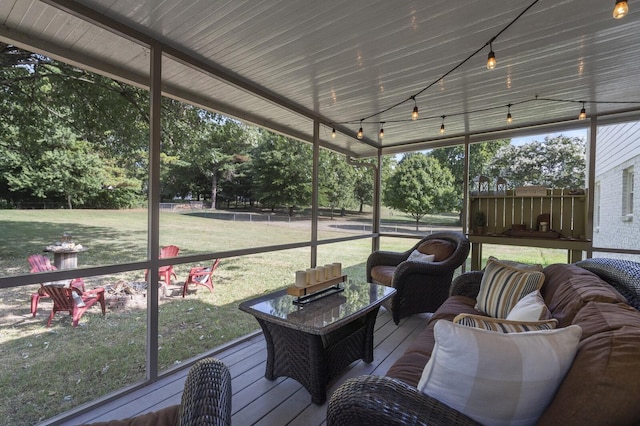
314,342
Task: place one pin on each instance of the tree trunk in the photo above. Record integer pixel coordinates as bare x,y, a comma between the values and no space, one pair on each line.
361,204
417,224
69,201
214,190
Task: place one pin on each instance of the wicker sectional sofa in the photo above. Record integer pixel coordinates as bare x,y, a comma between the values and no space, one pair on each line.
602,386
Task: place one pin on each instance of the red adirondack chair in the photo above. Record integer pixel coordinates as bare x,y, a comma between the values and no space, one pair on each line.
165,272
40,263
73,300
201,276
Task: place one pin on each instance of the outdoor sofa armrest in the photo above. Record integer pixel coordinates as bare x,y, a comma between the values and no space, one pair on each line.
467,284
379,400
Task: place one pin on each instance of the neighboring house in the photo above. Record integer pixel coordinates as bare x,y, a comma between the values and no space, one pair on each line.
616,221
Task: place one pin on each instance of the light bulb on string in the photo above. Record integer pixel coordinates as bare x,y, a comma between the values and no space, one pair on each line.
509,117
333,133
360,133
621,9
583,113
414,113
381,134
442,126
491,58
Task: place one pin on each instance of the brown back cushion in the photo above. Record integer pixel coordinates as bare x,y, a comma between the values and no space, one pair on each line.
441,249
603,385
567,288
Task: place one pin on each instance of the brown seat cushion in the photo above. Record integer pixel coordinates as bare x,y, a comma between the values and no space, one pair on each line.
603,385
383,274
441,249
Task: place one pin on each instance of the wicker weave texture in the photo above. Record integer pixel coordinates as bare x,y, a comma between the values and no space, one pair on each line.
313,360
206,399
378,401
467,284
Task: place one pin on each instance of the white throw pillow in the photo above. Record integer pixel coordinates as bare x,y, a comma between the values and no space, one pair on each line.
498,378
416,256
502,286
530,308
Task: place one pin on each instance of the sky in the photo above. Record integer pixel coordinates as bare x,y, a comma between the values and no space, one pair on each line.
580,133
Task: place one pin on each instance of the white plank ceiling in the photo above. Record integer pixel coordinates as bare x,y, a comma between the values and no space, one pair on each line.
282,63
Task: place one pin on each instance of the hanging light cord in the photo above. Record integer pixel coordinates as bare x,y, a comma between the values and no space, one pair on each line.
452,69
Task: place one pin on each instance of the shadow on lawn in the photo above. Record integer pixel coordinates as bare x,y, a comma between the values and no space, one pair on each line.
106,245
58,368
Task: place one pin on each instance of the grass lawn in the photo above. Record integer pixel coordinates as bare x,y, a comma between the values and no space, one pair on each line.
51,370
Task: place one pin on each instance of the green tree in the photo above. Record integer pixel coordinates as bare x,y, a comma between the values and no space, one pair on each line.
480,156
281,172
56,167
558,162
45,97
336,180
420,186
363,186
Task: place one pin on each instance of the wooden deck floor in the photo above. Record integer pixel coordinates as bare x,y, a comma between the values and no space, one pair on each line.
256,400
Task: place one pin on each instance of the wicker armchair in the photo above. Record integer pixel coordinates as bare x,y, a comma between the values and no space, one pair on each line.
206,400
421,286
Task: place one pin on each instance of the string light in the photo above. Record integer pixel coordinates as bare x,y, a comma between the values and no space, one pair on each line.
381,130
621,9
414,114
333,133
491,59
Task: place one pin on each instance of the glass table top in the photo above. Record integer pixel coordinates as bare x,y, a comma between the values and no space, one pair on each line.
322,315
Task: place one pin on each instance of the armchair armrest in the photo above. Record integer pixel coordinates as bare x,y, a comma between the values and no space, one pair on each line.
374,400
467,284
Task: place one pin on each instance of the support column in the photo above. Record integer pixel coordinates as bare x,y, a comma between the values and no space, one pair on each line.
476,249
591,182
314,193
153,208
377,188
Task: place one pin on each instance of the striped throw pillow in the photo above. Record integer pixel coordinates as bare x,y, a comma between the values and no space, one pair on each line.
504,326
498,378
502,286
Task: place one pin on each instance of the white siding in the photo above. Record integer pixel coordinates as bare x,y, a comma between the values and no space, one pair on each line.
618,148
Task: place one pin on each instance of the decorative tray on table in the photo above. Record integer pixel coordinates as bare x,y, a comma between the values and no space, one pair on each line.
312,292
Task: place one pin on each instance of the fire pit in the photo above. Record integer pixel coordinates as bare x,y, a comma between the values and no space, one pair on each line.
124,295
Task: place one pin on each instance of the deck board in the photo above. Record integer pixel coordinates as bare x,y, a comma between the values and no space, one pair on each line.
256,400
